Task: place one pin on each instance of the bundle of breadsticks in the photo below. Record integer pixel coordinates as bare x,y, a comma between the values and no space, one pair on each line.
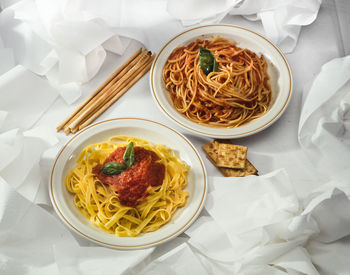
109,92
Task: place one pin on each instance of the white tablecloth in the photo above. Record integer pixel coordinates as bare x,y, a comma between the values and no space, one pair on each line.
272,149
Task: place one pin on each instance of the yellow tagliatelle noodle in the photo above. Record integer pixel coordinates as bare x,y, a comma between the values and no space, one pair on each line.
100,204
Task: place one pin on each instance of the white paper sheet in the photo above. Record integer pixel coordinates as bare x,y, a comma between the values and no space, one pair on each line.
205,10
180,260
28,234
273,195
34,242
297,260
70,91
69,42
7,60
22,152
276,234
324,123
74,259
281,20
257,221
218,246
332,258
3,120
25,96
9,147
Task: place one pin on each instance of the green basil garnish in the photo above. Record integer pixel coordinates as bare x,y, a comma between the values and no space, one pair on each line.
207,61
129,155
113,168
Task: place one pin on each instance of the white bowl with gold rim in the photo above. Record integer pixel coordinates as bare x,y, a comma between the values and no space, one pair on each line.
279,71
153,132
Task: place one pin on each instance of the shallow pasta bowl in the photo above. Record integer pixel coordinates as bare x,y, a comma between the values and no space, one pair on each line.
153,132
278,69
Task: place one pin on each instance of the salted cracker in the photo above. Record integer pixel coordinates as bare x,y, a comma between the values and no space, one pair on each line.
234,172
231,156
211,150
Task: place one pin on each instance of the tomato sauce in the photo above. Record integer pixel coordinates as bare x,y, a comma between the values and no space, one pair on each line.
133,183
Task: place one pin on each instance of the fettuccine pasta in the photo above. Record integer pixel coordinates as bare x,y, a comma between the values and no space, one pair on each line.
100,203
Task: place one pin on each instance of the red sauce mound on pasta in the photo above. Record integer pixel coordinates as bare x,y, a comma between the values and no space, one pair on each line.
133,183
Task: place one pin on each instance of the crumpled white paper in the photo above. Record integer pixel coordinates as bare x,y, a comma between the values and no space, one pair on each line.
180,260
24,96
282,20
70,38
324,128
34,241
258,226
6,57
72,259
28,234
19,161
70,43
205,11
276,234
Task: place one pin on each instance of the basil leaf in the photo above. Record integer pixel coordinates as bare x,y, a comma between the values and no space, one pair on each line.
207,61
129,155
113,168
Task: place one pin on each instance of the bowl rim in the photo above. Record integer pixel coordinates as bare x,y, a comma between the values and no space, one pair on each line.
229,135
180,230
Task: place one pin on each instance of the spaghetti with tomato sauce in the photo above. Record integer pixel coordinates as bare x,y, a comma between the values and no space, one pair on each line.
234,93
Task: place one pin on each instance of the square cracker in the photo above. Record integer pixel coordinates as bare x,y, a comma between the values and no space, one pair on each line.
211,149
231,156
234,172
